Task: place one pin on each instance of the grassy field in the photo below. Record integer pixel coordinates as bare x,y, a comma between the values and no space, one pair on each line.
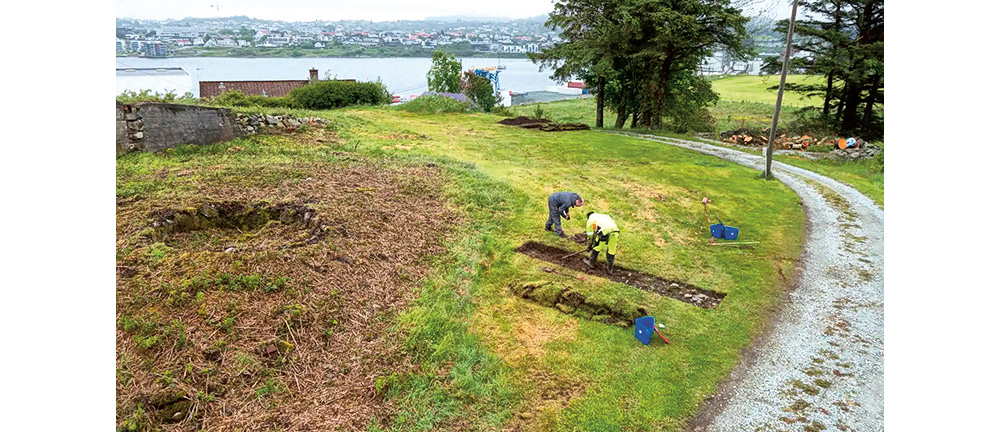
744,102
479,357
578,374
755,89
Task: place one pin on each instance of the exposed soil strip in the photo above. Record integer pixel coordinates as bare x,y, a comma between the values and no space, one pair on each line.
677,290
574,303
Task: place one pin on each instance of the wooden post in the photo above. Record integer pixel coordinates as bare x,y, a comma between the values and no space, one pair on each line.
781,90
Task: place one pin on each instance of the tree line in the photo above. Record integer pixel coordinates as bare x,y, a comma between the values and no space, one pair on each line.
641,57
845,40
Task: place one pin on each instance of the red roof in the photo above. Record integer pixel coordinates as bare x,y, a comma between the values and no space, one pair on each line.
210,89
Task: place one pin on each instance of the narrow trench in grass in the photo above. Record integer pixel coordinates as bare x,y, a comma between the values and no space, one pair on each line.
677,290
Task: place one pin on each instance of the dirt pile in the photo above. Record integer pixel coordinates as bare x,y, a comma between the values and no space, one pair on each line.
221,327
572,302
677,290
542,124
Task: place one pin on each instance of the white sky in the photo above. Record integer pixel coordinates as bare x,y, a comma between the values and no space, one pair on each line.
335,10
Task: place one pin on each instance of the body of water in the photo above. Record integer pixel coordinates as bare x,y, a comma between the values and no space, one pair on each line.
402,76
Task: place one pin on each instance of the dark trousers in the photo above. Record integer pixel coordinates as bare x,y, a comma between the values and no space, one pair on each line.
554,218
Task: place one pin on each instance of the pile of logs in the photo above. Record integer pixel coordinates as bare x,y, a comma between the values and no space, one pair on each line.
758,138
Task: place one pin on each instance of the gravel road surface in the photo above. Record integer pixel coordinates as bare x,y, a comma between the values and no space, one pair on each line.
819,365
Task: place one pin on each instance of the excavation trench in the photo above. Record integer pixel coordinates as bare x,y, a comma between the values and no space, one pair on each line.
677,290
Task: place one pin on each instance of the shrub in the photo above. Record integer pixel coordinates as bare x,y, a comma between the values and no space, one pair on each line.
480,90
235,98
439,103
337,94
539,112
129,97
503,111
686,111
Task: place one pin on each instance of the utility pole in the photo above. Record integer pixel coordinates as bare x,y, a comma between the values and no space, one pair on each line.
781,90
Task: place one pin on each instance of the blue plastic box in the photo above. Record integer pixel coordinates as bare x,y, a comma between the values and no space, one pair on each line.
644,329
717,230
730,233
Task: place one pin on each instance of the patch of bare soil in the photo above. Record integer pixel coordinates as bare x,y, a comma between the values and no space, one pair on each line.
542,124
674,289
223,327
522,120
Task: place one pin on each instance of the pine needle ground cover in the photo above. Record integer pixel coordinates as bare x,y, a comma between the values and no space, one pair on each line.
434,336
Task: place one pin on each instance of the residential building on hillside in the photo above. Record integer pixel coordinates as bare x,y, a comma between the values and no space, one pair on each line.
155,49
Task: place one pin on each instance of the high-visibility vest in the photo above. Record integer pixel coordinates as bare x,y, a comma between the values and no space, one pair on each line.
600,222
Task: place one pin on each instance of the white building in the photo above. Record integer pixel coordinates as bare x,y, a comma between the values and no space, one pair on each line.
158,80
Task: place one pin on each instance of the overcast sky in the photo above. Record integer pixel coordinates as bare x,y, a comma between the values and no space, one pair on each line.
335,10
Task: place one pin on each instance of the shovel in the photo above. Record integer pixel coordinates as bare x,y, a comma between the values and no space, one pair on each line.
574,253
552,270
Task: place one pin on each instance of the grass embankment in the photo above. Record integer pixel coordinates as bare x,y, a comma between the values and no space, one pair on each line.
480,356
745,102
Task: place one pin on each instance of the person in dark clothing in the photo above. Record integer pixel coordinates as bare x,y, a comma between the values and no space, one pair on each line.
559,205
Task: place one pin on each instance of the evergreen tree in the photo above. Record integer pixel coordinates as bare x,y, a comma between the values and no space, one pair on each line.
844,40
642,52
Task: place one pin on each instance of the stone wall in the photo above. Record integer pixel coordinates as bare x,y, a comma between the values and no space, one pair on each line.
154,127
257,123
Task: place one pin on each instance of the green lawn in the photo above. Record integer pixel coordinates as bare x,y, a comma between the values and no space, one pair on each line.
491,360
862,175
755,89
570,373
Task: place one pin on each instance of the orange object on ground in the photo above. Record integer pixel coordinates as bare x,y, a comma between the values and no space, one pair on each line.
842,143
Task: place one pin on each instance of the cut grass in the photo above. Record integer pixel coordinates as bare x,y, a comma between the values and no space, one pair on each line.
483,354
862,175
585,378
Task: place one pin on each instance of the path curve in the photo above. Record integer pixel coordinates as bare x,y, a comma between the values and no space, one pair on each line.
819,365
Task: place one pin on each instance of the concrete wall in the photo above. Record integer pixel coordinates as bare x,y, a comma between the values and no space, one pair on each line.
154,127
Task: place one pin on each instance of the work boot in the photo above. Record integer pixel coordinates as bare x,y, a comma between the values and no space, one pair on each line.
593,259
611,263
563,235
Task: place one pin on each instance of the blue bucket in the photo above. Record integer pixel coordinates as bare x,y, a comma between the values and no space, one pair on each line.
644,329
717,230
730,233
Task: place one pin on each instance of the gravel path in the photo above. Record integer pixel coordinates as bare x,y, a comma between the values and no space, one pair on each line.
819,366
